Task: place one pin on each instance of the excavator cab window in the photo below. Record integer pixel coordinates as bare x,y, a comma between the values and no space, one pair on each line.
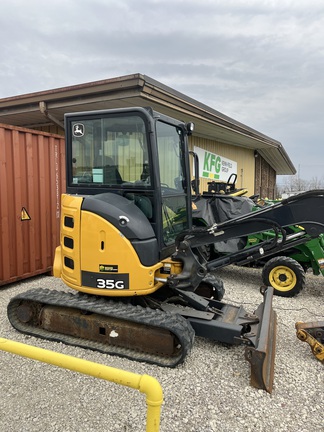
109,151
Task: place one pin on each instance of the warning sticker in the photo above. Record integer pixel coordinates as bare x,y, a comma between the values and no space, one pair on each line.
24,215
321,263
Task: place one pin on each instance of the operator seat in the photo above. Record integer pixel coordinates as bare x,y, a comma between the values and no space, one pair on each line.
144,204
111,175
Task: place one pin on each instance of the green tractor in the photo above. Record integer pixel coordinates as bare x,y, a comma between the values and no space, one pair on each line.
286,269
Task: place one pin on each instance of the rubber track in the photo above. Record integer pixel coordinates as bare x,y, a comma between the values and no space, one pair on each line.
175,323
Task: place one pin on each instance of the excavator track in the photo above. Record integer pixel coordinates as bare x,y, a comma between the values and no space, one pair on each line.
108,326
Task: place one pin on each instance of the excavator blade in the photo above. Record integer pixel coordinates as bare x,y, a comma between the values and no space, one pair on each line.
231,324
262,355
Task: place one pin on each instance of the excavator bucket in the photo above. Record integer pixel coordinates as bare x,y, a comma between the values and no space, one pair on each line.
261,356
313,334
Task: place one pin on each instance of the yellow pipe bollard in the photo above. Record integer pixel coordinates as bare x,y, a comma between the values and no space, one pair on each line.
144,383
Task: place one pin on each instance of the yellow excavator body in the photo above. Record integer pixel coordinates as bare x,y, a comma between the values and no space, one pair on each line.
92,246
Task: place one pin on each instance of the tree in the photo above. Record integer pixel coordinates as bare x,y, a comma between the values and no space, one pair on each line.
294,184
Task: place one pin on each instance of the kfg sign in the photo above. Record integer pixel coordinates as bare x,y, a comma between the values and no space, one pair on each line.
213,166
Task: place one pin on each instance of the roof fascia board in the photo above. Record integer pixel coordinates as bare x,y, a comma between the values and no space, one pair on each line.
120,83
34,107
94,98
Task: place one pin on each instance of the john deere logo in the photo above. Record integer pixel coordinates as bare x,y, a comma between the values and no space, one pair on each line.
78,129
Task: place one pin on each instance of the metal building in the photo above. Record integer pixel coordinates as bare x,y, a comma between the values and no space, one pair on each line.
254,157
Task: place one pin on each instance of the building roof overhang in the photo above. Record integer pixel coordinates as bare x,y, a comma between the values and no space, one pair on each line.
35,110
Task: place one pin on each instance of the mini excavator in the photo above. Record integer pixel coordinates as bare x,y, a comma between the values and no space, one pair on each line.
128,247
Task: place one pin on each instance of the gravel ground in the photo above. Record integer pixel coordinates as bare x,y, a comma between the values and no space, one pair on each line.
210,392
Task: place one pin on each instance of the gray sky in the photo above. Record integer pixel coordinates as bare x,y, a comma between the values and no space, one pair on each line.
259,62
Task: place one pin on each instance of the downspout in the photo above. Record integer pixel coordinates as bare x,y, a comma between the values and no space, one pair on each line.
43,109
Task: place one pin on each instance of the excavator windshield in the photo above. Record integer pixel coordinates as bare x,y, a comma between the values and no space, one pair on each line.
110,151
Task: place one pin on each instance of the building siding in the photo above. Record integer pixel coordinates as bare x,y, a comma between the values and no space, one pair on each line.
265,179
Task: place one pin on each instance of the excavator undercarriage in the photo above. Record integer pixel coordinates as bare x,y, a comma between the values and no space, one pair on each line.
163,335
108,326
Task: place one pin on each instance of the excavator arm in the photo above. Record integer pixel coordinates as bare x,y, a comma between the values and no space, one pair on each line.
306,209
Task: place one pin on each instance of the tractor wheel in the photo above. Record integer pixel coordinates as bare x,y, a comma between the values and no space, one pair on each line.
211,287
285,275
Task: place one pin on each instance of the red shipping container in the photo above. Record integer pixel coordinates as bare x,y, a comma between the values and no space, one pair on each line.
32,179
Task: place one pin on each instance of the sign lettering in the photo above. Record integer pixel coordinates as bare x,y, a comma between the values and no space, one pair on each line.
213,166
